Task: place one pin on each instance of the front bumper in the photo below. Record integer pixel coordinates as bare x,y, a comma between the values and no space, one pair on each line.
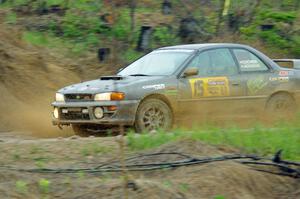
124,114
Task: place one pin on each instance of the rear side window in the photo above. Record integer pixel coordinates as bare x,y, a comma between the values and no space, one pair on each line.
248,61
285,64
215,62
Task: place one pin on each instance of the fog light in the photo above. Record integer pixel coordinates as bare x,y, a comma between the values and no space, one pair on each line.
85,111
55,113
98,112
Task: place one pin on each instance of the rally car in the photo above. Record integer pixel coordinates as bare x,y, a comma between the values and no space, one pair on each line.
196,81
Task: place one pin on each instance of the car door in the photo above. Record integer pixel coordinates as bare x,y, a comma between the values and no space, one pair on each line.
217,87
258,78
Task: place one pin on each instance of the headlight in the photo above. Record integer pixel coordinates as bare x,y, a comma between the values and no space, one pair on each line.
112,96
59,97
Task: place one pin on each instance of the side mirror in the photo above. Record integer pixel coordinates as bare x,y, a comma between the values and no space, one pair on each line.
191,72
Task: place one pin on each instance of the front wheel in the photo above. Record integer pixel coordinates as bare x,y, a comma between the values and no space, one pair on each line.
153,114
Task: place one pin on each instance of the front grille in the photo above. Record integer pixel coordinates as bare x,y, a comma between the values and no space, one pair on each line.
74,114
78,97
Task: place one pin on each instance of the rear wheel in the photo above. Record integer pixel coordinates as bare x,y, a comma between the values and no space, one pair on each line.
153,114
281,105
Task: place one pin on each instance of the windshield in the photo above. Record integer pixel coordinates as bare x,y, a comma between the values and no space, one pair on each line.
159,62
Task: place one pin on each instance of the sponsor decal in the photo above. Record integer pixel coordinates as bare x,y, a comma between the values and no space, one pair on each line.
283,73
249,64
279,79
155,86
273,79
215,82
283,79
171,88
255,85
209,87
171,92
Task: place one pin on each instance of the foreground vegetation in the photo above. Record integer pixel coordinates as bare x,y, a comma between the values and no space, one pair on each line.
260,140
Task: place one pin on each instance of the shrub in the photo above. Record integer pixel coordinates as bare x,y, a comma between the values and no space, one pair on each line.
163,37
73,25
121,28
278,16
272,38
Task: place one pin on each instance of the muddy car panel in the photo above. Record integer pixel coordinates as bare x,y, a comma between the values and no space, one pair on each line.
243,89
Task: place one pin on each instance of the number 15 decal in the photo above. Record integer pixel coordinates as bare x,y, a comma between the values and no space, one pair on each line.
209,87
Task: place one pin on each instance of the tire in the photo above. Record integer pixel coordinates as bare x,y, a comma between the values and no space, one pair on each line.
153,114
81,130
281,105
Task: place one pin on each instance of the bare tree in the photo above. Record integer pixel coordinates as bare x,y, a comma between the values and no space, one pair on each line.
254,11
220,16
132,6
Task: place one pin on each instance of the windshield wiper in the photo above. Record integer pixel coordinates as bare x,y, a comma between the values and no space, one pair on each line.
139,75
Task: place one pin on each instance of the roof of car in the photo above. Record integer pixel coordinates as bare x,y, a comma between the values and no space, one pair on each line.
199,46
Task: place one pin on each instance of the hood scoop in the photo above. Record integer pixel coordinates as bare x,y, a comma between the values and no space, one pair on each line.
114,77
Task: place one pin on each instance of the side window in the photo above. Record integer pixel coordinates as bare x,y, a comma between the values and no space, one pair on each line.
248,61
223,62
203,63
216,62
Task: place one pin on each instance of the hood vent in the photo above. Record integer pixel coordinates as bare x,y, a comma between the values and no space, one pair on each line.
116,77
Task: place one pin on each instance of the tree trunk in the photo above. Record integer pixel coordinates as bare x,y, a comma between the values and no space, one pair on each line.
132,5
254,11
220,17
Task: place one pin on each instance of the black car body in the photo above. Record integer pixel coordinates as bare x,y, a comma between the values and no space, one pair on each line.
197,80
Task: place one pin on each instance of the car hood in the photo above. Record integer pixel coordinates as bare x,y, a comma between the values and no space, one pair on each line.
108,83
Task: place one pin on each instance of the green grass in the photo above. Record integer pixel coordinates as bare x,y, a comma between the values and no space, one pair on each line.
57,43
94,149
259,140
21,187
44,186
35,38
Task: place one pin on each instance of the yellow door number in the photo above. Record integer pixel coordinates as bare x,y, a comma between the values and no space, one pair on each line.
209,87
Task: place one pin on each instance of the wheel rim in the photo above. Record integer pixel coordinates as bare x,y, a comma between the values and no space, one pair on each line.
153,118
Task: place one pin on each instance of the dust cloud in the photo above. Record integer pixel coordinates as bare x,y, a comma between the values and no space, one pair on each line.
29,77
